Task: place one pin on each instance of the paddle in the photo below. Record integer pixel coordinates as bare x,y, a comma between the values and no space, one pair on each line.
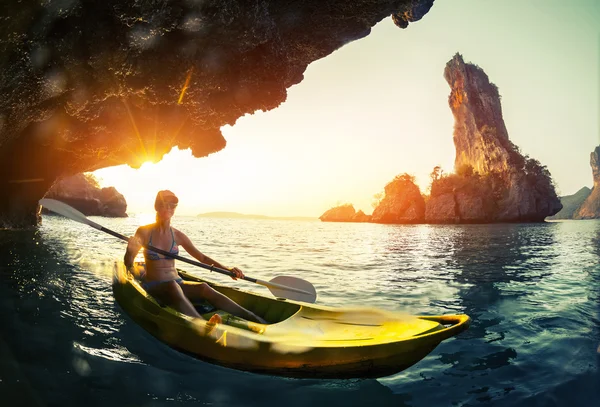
292,288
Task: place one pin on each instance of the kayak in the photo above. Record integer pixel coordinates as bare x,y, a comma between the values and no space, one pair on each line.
299,340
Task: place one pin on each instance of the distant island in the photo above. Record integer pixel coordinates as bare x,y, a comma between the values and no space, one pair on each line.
235,215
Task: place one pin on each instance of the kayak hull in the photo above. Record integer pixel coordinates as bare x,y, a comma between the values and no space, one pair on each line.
301,339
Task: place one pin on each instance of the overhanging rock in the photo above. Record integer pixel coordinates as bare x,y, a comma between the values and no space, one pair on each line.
96,83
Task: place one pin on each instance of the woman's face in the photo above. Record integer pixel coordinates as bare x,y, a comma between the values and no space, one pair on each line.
165,210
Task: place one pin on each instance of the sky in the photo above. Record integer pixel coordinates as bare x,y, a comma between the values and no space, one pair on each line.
377,107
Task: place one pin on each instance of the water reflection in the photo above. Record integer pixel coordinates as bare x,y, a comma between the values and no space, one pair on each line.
495,266
594,296
48,307
495,262
32,327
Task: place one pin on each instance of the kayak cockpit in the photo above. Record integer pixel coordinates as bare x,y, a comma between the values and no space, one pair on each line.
273,310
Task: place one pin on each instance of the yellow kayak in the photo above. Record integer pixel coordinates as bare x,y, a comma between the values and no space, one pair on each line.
300,340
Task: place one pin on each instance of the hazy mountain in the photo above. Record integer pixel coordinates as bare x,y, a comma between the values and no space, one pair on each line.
235,215
571,203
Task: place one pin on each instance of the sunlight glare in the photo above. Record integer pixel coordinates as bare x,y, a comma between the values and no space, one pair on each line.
145,218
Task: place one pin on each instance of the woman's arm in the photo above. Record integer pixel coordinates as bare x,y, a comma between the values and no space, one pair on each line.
133,248
189,247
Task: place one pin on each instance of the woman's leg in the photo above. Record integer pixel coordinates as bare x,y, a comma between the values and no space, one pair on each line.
171,294
218,300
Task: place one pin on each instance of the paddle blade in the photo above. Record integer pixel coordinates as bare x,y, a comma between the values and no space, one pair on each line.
67,211
293,288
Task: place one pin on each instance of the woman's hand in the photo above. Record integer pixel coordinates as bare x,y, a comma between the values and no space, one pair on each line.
237,273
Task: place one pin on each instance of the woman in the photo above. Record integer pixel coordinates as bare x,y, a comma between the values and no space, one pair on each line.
161,279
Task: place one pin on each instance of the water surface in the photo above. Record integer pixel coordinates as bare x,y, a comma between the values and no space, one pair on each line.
532,291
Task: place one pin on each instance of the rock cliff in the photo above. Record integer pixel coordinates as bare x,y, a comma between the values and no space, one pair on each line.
81,193
462,199
493,181
97,83
590,208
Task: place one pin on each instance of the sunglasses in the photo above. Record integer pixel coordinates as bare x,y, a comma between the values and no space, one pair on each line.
168,205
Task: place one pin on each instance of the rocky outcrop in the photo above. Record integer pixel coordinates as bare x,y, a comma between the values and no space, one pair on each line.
97,83
590,208
571,203
81,193
344,213
402,202
493,181
360,216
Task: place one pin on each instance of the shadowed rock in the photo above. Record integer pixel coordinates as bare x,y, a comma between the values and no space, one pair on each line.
79,192
96,83
461,199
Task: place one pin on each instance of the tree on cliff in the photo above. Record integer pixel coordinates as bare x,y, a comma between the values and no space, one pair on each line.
92,179
437,173
405,177
377,199
539,176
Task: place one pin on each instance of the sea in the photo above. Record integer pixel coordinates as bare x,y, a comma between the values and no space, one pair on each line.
531,290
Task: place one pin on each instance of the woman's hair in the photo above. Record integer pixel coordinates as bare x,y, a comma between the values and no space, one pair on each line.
165,196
